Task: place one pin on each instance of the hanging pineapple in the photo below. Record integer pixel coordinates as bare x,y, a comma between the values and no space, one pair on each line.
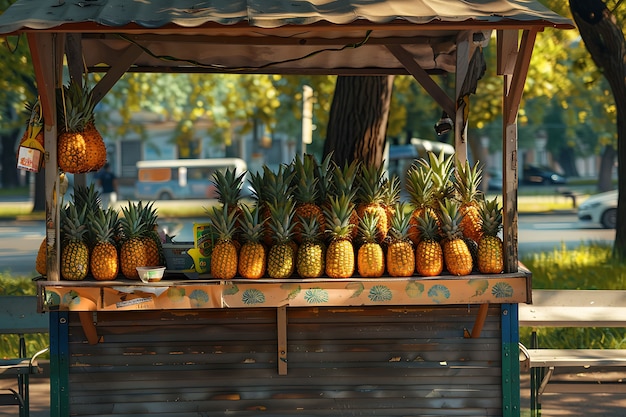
80,146
310,262
104,260
400,252
370,256
456,255
281,260
75,252
428,254
468,180
41,264
224,259
490,252
252,255
340,252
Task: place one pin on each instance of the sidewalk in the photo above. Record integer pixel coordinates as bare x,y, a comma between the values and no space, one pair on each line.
594,398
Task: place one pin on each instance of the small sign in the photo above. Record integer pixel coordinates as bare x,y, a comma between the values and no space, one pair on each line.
29,159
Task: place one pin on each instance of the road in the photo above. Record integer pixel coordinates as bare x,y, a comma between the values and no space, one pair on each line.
19,241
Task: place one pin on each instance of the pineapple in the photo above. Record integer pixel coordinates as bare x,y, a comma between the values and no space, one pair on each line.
400,252
305,193
104,262
391,196
370,256
281,260
441,167
41,263
133,251
151,239
88,197
456,254
419,184
224,259
311,252
468,180
343,184
275,187
490,252
340,252
428,254
80,146
370,197
252,255
228,187
75,253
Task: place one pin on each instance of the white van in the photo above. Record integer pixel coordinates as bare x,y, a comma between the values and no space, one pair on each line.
182,178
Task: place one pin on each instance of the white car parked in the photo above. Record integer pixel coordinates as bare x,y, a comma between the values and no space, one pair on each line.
600,208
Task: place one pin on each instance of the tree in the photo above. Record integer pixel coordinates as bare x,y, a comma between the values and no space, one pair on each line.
357,124
605,41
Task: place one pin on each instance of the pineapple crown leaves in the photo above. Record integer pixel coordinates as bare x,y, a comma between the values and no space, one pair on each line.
89,197
148,214
34,112
73,222
391,190
77,107
223,222
323,172
104,224
310,229
131,222
368,230
343,178
252,225
427,225
258,186
338,217
491,216
450,219
400,222
277,185
467,180
281,221
370,181
228,185
419,185
305,183
441,167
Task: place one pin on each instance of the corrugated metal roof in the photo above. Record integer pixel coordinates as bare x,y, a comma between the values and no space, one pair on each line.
46,14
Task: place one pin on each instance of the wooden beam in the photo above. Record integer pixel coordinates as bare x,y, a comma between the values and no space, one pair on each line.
74,53
522,63
281,324
422,77
460,122
122,64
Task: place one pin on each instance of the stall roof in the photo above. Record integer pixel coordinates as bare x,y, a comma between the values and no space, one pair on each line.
275,36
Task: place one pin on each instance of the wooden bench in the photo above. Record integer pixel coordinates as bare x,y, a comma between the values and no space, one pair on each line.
18,315
568,308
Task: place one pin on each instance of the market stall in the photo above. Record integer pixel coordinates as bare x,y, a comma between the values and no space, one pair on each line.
443,345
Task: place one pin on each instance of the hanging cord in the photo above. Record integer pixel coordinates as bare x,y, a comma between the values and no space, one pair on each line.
17,44
244,68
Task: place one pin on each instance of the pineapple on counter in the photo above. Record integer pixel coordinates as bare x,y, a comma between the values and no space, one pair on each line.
228,187
281,260
490,252
370,197
75,252
343,181
468,180
428,254
224,257
340,252
252,255
305,193
80,147
137,248
370,255
310,260
419,184
400,252
456,255
104,260
391,195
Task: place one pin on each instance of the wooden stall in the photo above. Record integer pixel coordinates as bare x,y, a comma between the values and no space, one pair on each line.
388,346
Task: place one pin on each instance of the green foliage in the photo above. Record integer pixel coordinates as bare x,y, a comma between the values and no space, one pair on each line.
589,267
12,285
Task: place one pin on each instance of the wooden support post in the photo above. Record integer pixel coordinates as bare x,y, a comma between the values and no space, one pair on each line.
87,322
281,324
480,321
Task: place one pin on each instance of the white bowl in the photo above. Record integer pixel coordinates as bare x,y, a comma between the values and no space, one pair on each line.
150,273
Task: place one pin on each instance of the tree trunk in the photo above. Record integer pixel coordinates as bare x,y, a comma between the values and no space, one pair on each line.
357,124
605,42
605,180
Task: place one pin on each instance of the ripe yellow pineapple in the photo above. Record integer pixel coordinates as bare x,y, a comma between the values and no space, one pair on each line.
104,261
310,261
428,254
340,252
468,180
75,253
224,257
133,251
419,185
370,256
252,255
456,254
80,147
150,238
400,251
41,264
490,252
281,260
370,197
305,193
